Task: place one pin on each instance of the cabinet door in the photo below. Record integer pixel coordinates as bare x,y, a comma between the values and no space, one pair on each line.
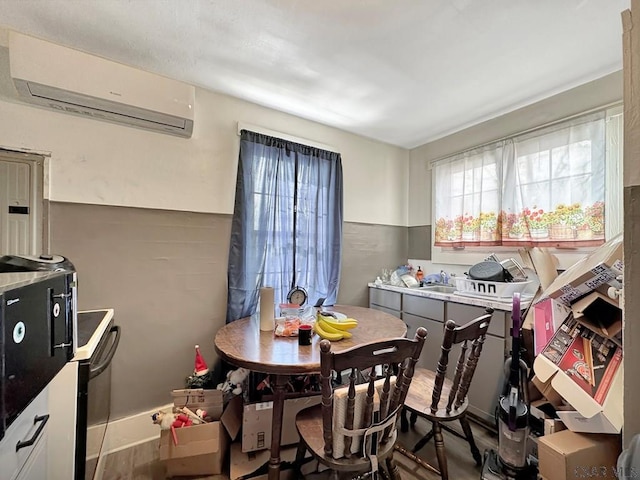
432,345
390,311
488,380
23,429
385,298
423,307
36,466
462,314
63,394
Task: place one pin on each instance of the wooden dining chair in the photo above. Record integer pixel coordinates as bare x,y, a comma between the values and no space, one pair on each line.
448,397
353,431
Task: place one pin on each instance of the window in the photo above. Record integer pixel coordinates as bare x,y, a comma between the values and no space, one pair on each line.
287,225
558,187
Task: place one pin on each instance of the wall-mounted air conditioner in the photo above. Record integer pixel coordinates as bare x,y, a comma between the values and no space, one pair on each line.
75,82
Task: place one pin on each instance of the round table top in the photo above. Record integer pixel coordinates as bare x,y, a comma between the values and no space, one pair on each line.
243,344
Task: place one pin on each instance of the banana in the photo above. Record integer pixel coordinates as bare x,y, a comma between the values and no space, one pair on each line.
328,328
327,335
346,324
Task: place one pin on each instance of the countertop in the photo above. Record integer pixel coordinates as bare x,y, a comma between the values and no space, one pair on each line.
453,297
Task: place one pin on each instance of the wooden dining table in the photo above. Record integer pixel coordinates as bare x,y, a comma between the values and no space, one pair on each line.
243,344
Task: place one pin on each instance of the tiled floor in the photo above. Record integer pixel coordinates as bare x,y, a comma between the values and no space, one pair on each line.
142,462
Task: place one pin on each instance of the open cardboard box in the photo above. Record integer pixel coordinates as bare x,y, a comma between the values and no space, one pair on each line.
548,315
208,400
254,465
257,422
596,271
599,313
201,450
586,370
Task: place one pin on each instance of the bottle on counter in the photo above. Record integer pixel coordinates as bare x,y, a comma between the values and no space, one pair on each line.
419,274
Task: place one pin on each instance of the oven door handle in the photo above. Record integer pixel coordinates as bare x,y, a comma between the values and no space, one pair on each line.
98,369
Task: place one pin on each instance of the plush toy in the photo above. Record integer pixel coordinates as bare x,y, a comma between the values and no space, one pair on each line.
234,380
164,419
171,421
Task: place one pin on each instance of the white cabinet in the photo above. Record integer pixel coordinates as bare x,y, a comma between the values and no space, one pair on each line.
36,466
47,426
61,441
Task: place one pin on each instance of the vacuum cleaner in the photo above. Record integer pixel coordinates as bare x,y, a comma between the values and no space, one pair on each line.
510,462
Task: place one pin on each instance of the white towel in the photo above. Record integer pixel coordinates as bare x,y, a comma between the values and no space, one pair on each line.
340,397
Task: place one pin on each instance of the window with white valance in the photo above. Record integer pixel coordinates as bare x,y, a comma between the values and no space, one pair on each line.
557,186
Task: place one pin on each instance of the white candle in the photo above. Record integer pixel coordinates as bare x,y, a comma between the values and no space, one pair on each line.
267,309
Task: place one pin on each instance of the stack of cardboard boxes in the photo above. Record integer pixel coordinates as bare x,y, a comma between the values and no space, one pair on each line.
239,435
576,330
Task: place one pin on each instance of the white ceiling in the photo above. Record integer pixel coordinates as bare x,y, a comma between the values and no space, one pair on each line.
400,71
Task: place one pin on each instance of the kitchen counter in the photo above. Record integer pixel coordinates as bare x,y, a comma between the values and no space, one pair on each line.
456,297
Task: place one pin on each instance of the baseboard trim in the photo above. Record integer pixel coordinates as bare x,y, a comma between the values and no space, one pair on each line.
131,431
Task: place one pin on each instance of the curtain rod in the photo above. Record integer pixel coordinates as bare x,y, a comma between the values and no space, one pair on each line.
273,133
523,132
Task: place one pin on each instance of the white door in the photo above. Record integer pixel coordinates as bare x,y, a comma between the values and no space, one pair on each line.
20,203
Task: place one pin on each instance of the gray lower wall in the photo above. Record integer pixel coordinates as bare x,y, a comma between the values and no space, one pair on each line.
367,249
420,242
165,274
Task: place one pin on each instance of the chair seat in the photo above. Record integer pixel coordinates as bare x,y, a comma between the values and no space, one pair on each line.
309,426
419,397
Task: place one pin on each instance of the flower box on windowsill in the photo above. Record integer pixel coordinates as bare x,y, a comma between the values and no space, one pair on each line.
561,232
539,233
584,234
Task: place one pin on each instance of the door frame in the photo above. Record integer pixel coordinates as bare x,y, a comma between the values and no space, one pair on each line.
38,225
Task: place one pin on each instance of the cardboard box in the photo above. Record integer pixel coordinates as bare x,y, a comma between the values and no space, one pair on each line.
254,465
568,455
548,315
553,425
232,417
586,370
547,391
257,421
201,450
596,271
193,398
600,314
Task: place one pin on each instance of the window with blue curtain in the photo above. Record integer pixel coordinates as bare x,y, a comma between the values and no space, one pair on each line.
287,223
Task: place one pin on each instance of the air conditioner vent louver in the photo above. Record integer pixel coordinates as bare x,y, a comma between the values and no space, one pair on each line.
74,82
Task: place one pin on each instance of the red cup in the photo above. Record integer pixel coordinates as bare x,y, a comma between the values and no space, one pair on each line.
304,334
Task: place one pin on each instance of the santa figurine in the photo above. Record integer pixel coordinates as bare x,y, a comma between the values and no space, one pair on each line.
201,376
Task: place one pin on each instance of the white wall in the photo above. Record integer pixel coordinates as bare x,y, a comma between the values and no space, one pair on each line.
101,163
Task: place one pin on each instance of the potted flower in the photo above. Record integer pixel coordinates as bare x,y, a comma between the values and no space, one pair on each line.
445,230
564,221
509,222
537,221
488,226
594,216
470,227
517,230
